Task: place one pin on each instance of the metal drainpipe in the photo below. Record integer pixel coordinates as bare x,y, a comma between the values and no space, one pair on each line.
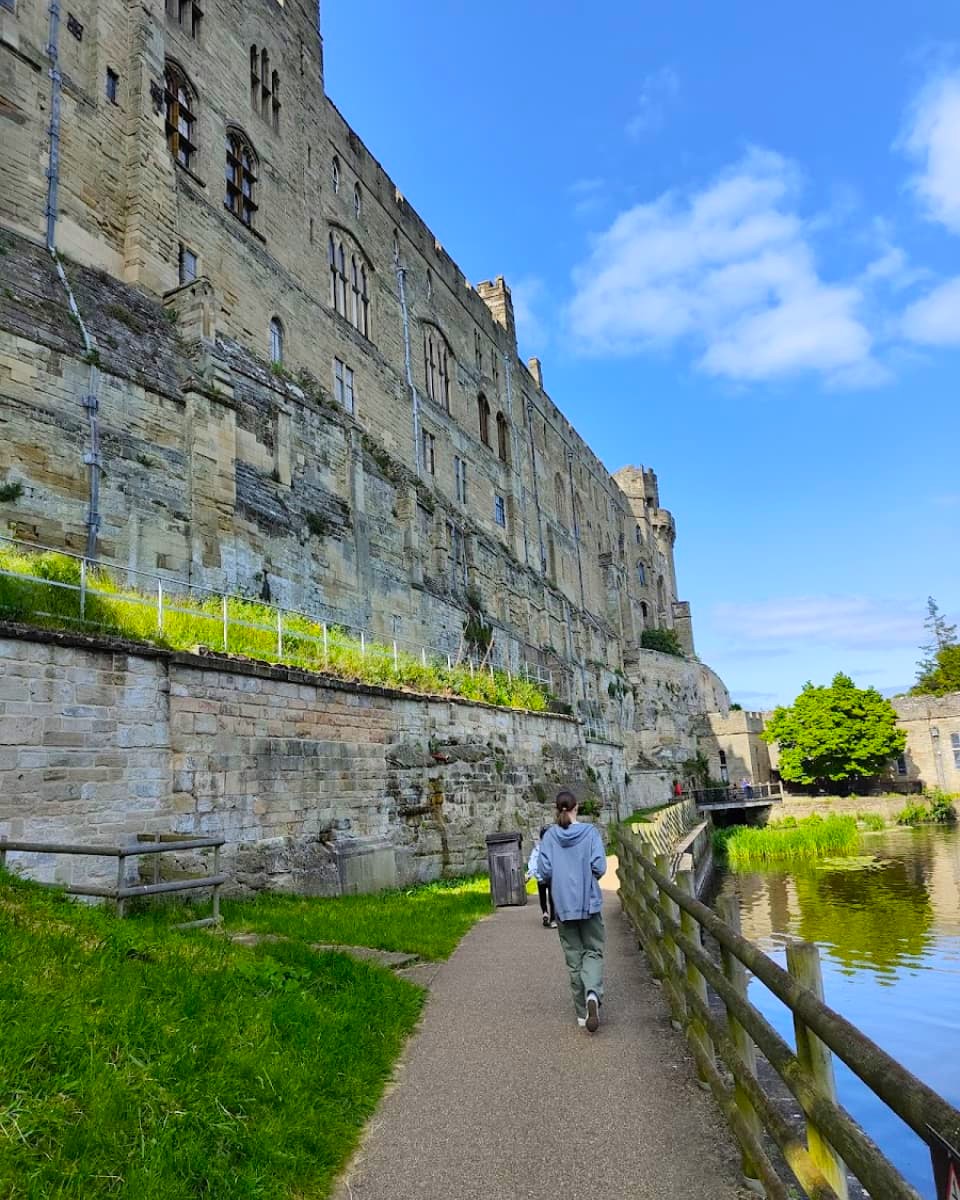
514,456
401,275
90,400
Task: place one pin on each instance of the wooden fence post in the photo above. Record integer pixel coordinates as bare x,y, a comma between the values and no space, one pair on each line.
650,898
671,956
728,908
695,981
803,963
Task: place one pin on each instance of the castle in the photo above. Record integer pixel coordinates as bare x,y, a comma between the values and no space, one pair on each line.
251,365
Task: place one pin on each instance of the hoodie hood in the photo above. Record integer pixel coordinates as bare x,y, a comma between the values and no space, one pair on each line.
572,834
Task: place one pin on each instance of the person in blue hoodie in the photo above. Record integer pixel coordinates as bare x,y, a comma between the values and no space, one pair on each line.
572,859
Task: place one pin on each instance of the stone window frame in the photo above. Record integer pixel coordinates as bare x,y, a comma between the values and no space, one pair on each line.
642,574
483,418
503,438
276,340
177,10
500,510
188,265
242,174
438,365
428,446
179,114
357,201
112,86
460,478
335,175
350,279
344,386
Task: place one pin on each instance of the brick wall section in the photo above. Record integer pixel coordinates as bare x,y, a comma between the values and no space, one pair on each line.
317,785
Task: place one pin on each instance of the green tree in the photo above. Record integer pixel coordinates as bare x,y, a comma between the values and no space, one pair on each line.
831,734
939,671
664,640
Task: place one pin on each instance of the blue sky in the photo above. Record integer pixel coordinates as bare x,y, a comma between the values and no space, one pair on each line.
733,237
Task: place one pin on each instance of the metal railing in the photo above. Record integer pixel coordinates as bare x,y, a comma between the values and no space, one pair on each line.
726,1031
162,598
122,891
736,796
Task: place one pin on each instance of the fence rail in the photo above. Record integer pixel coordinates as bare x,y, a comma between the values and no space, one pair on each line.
122,891
163,598
671,925
736,795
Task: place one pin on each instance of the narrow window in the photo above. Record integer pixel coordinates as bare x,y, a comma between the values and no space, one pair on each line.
560,496
188,15
113,86
180,121
354,292
276,340
429,284
642,574
264,83
495,369
311,231
483,412
955,747
639,536
444,377
478,349
901,765
644,612
502,438
335,172
254,78
341,281
187,265
241,179
429,448
460,479
343,385
275,100
357,200
332,256
430,367
500,511
396,246
364,303
724,771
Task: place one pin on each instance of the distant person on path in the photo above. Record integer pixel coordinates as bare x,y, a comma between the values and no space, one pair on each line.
544,890
571,861
747,788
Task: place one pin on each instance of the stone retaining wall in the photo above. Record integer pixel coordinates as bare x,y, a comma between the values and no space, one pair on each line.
317,784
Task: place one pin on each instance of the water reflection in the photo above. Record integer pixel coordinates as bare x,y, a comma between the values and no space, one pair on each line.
888,923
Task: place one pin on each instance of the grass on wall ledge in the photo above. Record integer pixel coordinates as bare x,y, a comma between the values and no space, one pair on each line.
41,589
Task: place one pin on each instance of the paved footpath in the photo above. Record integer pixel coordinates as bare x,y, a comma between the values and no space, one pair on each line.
501,1095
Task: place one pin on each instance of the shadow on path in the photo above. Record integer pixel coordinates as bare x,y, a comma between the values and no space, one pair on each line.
500,1094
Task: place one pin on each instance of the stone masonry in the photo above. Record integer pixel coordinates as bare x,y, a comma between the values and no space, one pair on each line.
317,785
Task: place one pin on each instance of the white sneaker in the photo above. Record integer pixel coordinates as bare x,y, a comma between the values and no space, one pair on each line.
593,1012
582,1022
546,920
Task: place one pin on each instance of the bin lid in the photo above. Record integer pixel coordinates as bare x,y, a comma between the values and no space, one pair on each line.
494,838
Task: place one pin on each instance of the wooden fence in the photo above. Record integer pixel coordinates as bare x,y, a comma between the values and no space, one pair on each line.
121,891
724,1038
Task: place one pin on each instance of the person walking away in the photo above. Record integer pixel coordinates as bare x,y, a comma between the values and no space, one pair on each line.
747,788
543,890
571,861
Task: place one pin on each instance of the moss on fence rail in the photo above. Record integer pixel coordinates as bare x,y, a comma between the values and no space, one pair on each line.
43,589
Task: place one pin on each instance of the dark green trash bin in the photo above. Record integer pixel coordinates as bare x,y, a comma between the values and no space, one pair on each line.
505,860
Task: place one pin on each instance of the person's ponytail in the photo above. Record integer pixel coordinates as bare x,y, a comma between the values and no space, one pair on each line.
566,808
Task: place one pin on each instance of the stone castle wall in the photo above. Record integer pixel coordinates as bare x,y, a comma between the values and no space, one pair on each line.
317,785
216,467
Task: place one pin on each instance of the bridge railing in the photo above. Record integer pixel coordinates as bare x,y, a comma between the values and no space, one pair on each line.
735,795
726,1034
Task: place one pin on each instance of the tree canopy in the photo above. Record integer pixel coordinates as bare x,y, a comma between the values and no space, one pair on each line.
830,734
939,671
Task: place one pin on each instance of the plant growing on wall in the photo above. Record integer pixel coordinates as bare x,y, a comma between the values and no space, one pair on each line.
836,733
664,640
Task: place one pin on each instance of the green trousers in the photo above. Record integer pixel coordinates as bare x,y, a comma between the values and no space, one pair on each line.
582,943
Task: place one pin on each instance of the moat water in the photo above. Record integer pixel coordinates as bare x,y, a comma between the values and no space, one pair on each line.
888,924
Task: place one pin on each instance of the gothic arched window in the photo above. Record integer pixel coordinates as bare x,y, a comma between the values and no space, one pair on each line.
179,118
241,173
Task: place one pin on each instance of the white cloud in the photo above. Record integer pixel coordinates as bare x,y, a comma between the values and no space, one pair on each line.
656,91
729,268
932,137
934,319
850,622
588,195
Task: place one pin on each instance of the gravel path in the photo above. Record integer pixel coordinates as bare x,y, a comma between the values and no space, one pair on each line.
500,1094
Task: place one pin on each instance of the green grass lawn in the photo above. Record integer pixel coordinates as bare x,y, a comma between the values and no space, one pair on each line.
147,1064
428,921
